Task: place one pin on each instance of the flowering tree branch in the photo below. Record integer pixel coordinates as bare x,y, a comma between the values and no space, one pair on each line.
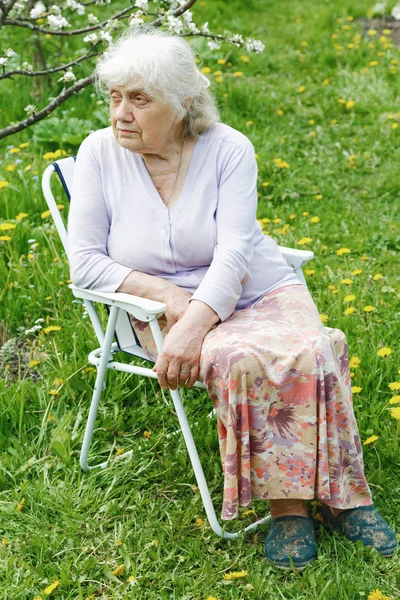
174,15
27,73
44,112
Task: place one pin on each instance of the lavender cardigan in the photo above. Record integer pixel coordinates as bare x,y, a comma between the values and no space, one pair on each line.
209,242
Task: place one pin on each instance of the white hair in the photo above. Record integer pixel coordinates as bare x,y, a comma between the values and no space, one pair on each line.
163,66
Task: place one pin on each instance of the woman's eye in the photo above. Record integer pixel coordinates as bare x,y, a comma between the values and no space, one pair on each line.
141,100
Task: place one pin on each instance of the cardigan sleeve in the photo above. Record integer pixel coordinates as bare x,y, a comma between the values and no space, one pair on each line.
235,217
88,227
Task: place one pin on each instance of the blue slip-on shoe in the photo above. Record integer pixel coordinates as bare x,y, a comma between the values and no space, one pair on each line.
363,523
291,542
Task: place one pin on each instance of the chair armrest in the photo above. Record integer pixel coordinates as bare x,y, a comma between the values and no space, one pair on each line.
296,258
141,308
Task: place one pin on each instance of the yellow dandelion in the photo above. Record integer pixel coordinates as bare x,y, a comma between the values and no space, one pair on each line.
221,61
37,598
305,214
21,505
50,588
118,571
356,272
21,216
238,73
245,59
304,240
394,400
199,522
246,513
372,32
49,156
369,308
33,363
394,386
384,351
279,112
51,328
7,226
301,89
45,214
350,104
265,184
11,168
54,393
219,79
341,101
318,197
342,251
356,389
395,412
119,451
310,271
354,362
395,125
249,122
347,281
5,238
4,542
371,439
147,434
292,216
235,575
315,220
373,63
349,311
349,298
212,598
311,122
132,579
24,145
4,184
323,317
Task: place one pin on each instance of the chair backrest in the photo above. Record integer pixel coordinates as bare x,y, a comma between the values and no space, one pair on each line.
126,338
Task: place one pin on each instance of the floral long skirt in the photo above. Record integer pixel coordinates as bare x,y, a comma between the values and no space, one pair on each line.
280,384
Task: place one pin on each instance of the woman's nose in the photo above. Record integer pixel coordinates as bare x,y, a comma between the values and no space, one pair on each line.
124,111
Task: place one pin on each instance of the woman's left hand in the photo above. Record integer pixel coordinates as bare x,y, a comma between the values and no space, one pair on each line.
179,362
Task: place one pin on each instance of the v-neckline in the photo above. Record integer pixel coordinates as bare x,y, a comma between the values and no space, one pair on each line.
154,190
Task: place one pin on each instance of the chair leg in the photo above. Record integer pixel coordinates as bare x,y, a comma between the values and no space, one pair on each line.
199,474
98,388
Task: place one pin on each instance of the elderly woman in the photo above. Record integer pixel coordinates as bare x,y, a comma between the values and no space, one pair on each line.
164,207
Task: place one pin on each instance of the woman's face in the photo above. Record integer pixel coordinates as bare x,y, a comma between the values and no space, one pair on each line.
140,123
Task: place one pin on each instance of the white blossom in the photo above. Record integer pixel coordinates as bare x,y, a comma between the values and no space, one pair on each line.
91,38
30,109
33,329
57,22
27,66
187,17
56,10
105,36
73,5
379,8
204,28
3,60
214,44
92,19
10,52
135,21
37,10
142,4
68,76
174,25
254,45
236,39
396,12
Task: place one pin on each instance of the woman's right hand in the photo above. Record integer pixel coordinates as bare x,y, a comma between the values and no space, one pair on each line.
177,301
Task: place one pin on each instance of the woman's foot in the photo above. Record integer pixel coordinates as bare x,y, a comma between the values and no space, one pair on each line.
290,542
363,523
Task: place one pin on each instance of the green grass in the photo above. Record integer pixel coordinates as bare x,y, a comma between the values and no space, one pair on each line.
78,528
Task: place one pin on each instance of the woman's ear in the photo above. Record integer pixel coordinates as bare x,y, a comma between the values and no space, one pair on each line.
187,102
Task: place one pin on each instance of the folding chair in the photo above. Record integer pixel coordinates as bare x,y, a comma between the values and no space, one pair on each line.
120,306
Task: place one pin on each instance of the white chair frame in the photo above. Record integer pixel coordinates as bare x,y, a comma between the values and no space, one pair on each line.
120,306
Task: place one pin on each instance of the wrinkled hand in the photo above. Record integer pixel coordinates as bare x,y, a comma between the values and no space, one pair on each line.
179,362
177,301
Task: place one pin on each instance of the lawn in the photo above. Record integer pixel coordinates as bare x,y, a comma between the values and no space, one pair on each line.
320,105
